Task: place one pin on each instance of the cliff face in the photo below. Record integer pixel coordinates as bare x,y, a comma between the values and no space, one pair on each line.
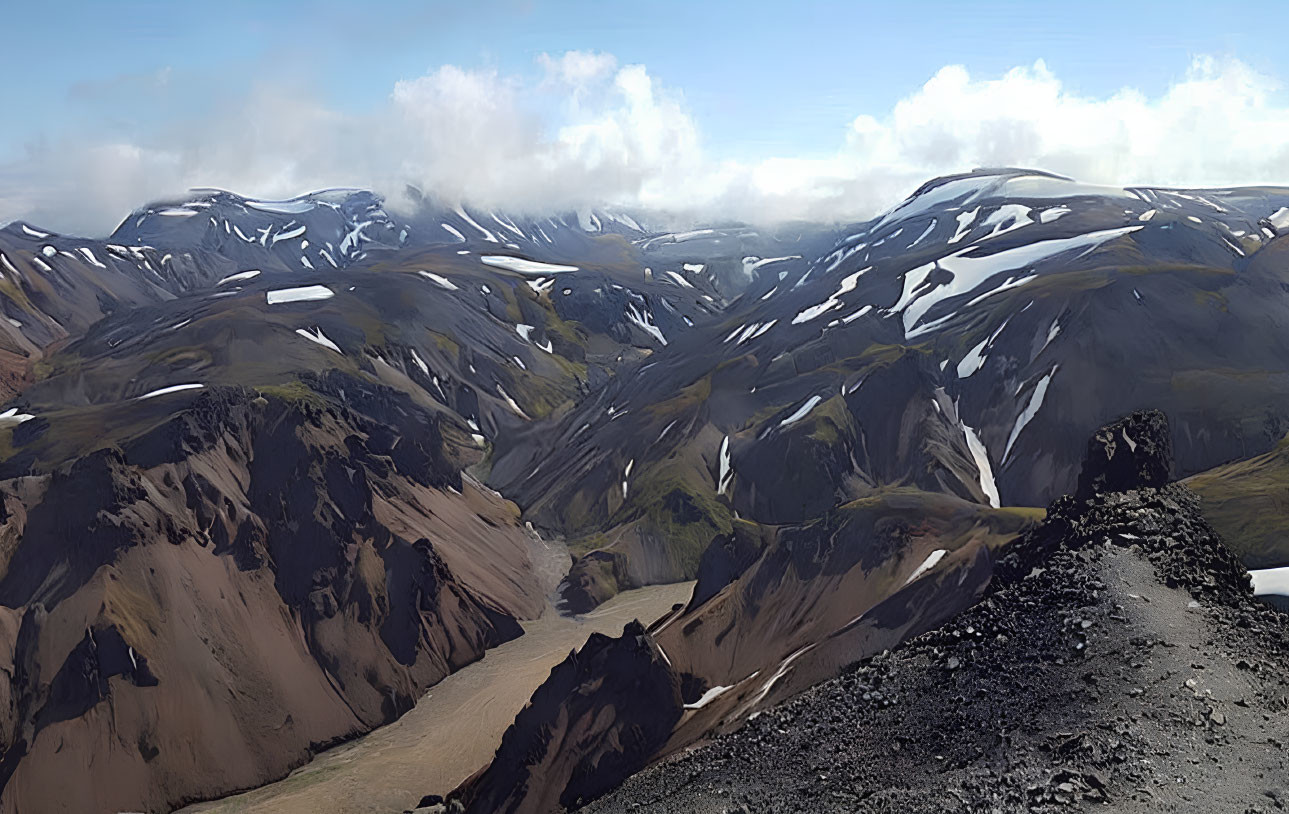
195,611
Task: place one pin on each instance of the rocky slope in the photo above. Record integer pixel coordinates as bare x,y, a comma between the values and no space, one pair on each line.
1118,660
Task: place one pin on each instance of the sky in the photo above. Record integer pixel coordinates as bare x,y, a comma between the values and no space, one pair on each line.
755,110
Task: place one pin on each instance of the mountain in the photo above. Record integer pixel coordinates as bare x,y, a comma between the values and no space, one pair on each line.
237,481
271,469
964,342
1116,657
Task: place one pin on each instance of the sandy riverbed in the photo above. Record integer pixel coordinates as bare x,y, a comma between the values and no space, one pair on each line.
455,728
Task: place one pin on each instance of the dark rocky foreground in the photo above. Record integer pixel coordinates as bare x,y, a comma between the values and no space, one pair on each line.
1119,663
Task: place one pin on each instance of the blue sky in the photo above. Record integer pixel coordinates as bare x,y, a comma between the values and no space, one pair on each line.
758,80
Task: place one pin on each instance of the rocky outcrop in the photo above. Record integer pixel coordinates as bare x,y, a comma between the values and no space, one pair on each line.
616,699
1132,453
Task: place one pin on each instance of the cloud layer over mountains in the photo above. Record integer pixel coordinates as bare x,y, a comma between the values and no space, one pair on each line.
584,129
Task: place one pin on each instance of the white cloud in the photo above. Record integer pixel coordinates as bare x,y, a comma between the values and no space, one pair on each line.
587,131
577,68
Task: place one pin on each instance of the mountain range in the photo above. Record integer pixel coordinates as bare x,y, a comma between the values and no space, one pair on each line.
269,470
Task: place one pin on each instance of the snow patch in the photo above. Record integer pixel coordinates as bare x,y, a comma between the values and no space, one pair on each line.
708,697
973,361
241,275
523,266
970,268
980,454
175,388
1265,580
930,562
679,280
486,234
965,219
751,264
416,357
1053,213
929,229
89,255
289,234
12,416
1007,218
318,337
726,472
802,411
1031,410
644,319
353,239
302,294
439,280
848,284
511,403
296,207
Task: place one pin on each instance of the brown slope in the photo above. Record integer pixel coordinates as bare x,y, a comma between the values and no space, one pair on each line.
197,611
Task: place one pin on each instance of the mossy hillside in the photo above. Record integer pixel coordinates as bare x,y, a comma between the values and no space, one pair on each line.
10,289
683,403
63,362
1247,502
951,520
181,357
829,423
539,396
677,504
293,392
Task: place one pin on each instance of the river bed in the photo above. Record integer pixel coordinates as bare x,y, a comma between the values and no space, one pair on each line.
453,730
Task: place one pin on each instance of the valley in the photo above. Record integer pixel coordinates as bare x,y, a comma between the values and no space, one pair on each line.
453,730
275,478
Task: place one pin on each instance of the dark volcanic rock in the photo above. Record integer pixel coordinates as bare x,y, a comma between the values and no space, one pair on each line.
1130,453
618,699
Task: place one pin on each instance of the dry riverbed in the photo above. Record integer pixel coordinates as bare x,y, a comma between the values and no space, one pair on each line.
454,729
